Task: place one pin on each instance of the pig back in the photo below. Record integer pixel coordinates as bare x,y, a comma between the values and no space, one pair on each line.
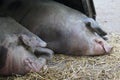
9,26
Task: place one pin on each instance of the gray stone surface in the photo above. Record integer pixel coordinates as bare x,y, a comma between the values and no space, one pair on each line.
108,14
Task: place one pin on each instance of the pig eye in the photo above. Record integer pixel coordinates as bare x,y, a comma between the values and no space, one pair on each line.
88,24
89,27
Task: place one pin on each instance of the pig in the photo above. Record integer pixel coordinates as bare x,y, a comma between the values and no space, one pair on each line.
20,50
19,6
66,30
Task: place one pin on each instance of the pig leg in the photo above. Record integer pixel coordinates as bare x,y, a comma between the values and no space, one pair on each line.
34,65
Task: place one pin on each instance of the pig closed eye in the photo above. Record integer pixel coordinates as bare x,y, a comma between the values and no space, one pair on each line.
88,25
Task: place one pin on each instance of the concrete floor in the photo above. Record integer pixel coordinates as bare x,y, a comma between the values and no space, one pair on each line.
108,14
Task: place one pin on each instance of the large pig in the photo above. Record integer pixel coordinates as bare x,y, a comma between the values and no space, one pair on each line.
65,30
18,49
22,8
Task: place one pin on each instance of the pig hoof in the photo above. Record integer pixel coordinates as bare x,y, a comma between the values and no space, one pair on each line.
34,65
32,41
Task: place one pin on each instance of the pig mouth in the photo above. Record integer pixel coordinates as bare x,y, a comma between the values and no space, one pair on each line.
105,52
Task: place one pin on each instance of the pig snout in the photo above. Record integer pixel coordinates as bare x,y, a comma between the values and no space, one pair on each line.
102,47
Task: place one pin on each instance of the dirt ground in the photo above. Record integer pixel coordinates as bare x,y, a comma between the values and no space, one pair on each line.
108,14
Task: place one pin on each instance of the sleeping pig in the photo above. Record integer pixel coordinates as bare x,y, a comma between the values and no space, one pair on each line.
66,30
18,49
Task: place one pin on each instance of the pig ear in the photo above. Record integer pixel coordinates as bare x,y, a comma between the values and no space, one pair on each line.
32,41
3,56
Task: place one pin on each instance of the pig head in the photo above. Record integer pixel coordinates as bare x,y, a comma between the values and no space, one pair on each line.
20,50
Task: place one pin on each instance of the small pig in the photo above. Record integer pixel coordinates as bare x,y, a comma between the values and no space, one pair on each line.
66,30
18,49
